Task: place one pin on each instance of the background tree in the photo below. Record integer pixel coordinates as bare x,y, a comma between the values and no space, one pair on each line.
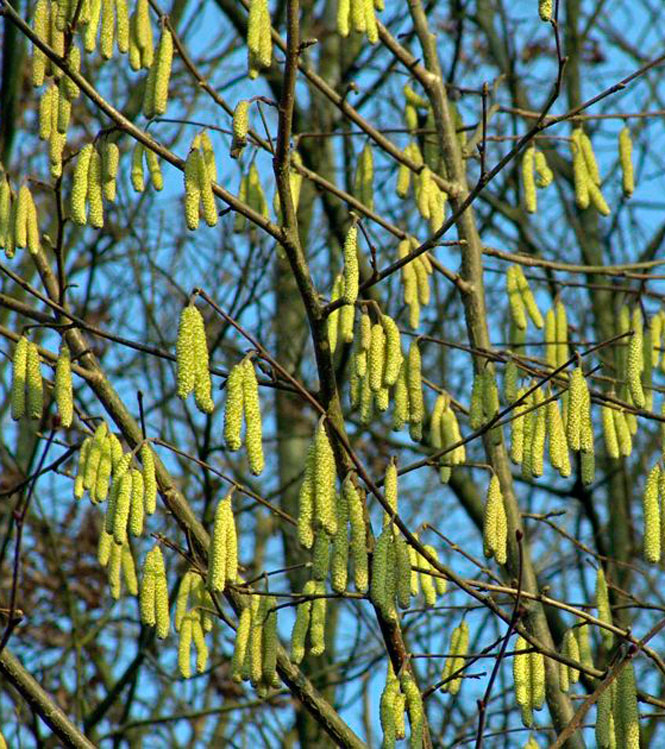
486,173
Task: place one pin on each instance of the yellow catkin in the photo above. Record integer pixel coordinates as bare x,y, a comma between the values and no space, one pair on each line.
589,158
79,485
515,299
270,642
333,317
435,422
652,520
377,357
217,554
495,527
258,11
528,180
459,646
528,298
92,27
561,334
93,459
71,89
184,647
110,164
193,167
571,649
324,482
149,479
241,643
545,10
603,606
137,507
558,445
604,733
19,378
538,436
144,39
40,25
426,580
107,33
129,571
414,384
414,706
576,401
137,175
343,17
233,413
393,351
626,713
104,470
163,64
610,432
104,548
400,400
346,319
377,591
114,571
414,560
358,535
254,430
339,562
240,127
626,160
155,169
5,207
186,365
635,360
79,192
95,194
390,489
122,25
209,209
121,509
387,715
21,216
147,607
318,621
598,200
550,338
35,385
320,555
544,175
580,173
422,280
302,622
306,501
522,680
351,272
63,386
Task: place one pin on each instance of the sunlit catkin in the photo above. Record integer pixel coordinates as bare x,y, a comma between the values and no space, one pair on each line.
137,506
626,160
339,562
652,520
459,646
317,632
333,317
626,715
193,167
149,479
576,395
522,680
157,89
545,10
217,553
604,733
377,357
19,378
186,365
94,196
528,297
414,705
414,384
63,386
121,508
635,360
351,272
528,180
515,299
110,163
40,25
495,526
324,481
558,444
154,169
241,643
610,432
320,555
35,386
581,176
301,625
358,535
253,426
306,501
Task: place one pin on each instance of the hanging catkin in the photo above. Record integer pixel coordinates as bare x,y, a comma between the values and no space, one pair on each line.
157,84
652,519
626,715
393,351
302,622
253,425
259,40
351,273
94,194
495,526
626,160
545,10
324,481
558,444
77,210
358,535
544,175
19,378
414,384
635,360
580,173
603,606
610,432
306,500
527,297
515,299
459,645
414,706
528,179
219,546
339,562
333,317
320,555
35,385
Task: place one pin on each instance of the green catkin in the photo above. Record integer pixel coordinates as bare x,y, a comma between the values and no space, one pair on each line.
626,160
200,644
184,647
459,646
387,714
515,300
393,351
302,622
414,558
358,535
269,664
528,179
32,226
306,501
366,402
122,26
610,432
40,25
583,635
107,33
104,547
435,430
253,426
209,209
414,384
571,648
538,436
624,437
324,482
241,643
627,722
155,169
400,400
35,386
143,31
414,706
558,445
603,606
403,572
604,733
576,401
114,571
137,507
495,527
258,10
561,334
6,205
390,490
77,210
346,320
21,217
377,590
218,548
255,652
187,584
589,158
450,435
231,544
110,163
377,357
656,337
94,195
104,470
550,338
422,280
64,109
333,317
90,33
71,89
528,297
318,622
596,197
635,360
320,555
427,581
147,607
581,176
544,175
129,571
545,10
19,378
240,127
340,553
652,520
522,680
193,167
149,479
157,94
351,272
79,488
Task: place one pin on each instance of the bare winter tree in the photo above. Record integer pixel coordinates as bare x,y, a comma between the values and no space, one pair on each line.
332,373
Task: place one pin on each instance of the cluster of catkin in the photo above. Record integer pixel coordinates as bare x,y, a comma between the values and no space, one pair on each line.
19,221
636,360
200,174
251,192
459,646
310,620
529,678
617,718
118,561
223,554
401,697
429,197
444,433
415,279
194,616
27,385
536,173
156,93
94,181
193,374
242,404
521,301
576,645
255,652
259,37
484,404
154,594
359,16
586,174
